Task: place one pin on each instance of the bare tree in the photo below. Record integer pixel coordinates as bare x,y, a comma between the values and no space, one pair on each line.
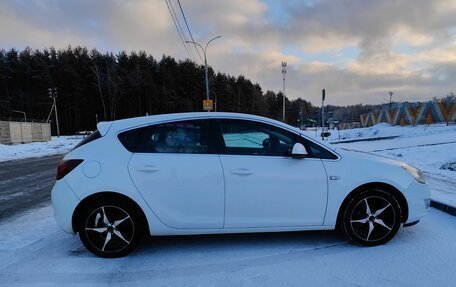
96,71
112,89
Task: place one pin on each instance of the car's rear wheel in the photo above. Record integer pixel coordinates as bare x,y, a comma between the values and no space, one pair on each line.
110,228
371,218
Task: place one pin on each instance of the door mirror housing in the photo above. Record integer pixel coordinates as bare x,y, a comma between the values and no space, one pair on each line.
299,151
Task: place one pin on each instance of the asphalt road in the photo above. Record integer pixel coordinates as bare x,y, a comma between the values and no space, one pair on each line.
26,183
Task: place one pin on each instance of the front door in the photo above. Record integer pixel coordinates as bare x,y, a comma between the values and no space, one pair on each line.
265,187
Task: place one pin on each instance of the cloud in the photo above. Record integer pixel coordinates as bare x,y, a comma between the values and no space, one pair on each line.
408,46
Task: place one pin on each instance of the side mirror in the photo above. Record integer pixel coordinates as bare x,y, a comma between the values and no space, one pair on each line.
299,151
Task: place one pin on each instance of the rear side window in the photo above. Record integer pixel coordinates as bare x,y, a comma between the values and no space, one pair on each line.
191,137
93,136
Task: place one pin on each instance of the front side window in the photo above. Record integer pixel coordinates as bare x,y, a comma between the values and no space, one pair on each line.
177,137
253,138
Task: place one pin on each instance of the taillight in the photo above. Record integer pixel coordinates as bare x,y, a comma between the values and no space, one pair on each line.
66,166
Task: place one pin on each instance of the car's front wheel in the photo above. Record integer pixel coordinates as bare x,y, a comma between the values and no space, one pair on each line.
110,228
371,218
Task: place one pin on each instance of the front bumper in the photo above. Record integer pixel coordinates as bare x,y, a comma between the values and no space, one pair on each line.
64,202
419,201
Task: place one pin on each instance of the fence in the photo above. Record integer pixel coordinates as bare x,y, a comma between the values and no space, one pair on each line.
413,114
23,132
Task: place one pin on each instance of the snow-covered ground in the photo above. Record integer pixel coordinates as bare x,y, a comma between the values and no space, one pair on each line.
34,252
56,145
429,148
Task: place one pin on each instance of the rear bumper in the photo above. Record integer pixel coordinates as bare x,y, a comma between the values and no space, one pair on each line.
419,201
64,202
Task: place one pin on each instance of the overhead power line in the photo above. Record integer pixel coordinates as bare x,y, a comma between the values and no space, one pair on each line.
177,28
176,16
188,29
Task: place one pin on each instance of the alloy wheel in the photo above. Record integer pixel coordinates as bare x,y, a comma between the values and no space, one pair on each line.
109,229
373,218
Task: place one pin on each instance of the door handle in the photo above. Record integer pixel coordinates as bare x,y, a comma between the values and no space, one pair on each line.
148,168
242,171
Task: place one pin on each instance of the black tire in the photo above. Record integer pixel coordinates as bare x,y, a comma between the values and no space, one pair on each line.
110,228
371,218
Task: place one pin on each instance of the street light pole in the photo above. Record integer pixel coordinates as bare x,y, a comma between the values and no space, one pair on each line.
53,95
205,62
323,95
284,71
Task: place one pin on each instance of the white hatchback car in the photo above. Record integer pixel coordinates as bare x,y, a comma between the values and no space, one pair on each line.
205,173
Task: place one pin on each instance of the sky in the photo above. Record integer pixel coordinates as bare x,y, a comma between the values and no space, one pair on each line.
358,50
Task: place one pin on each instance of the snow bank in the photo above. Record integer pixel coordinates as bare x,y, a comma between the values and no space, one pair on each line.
56,145
387,130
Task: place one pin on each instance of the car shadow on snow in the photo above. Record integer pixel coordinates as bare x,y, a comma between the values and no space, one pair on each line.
247,244
243,242
255,244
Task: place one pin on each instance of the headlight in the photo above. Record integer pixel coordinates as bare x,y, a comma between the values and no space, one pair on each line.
416,173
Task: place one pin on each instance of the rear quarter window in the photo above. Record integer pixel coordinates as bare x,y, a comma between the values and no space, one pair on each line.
93,136
130,139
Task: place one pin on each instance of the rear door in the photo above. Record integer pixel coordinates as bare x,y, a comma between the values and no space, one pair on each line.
176,169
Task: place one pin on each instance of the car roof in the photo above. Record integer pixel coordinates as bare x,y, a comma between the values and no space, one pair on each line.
118,125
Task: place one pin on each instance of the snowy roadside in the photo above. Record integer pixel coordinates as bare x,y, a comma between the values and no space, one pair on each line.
387,130
56,145
429,148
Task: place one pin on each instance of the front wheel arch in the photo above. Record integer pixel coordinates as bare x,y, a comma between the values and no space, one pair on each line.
106,194
375,185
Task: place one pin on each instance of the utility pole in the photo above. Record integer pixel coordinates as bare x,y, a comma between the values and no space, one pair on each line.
323,95
205,62
53,95
284,71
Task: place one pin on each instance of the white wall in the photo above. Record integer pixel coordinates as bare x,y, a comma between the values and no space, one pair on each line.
18,132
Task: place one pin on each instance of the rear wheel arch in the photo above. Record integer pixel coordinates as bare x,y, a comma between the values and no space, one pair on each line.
375,185
103,195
